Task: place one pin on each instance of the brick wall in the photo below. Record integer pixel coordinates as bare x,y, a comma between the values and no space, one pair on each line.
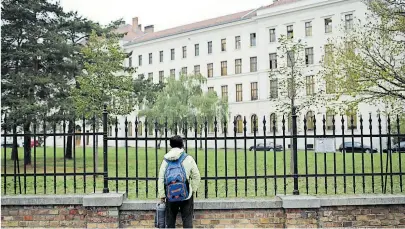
75,216
326,213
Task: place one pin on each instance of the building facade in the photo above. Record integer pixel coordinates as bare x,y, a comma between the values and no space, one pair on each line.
236,52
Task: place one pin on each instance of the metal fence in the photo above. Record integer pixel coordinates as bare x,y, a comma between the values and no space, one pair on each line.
233,161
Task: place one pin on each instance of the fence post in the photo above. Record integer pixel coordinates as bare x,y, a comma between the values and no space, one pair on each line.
105,148
295,148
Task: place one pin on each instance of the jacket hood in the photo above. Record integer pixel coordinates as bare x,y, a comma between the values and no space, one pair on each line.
174,154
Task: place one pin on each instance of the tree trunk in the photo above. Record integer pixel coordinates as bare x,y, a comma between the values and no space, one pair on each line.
96,154
69,141
27,144
14,150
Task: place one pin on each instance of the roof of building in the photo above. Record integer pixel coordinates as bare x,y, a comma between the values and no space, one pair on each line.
244,15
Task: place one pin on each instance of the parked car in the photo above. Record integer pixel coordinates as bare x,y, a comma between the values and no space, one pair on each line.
269,147
397,148
9,143
356,147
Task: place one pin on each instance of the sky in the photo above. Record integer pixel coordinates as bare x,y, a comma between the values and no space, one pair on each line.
163,14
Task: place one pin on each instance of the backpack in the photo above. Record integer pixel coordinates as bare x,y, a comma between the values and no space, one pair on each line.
176,180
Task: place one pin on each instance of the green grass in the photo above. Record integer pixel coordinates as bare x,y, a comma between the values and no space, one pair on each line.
278,163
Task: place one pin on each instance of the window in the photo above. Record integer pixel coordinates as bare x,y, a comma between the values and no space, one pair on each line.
210,89
351,119
223,45
290,58
328,58
253,64
184,70
150,58
310,120
161,76
238,66
310,85
253,91
349,21
239,93
254,123
274,88
273,60
309,56
210,70
308,29
273,122
172,54
224,68
130,131
184,51
272,35
328,25
130,62
197,69
252,39
172,72
196,49
329,119
140,60
330,84
290,32
237,42
140,129
239,124
209,47
150,75
161,56
290,87
224,92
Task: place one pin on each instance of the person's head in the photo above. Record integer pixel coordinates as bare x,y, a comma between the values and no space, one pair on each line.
176,142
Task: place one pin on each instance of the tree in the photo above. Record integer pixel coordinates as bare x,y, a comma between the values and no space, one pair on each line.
292,85
183,101
368,63
103,80
32,64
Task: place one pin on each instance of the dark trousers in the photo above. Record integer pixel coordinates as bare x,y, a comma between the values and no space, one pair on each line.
186,209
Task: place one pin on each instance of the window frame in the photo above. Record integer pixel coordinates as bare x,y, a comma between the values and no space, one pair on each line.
210,69
309,56
290,31
254,91
196,49
184,52
308,29
272,36
273,61
328,22
209,47
224,90
238,66
274,93
253,65
253,39
160,56
224,68
172,54
237,42
239,93
223,45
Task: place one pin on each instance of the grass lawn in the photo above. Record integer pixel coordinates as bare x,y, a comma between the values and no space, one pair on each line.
219,164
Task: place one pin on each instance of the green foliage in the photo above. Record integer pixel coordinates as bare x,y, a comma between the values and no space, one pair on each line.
368,61
293,79
183,101
104,79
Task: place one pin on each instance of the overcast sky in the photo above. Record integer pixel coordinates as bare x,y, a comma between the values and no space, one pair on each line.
163,14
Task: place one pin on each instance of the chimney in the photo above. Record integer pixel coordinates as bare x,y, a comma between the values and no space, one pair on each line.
134,23
140,27
149,29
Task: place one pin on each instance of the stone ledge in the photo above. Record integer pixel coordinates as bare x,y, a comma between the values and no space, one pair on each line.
287,202
290,201
361,200
103,200
42,200
211,204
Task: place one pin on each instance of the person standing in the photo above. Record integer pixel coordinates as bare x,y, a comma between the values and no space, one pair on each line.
179,179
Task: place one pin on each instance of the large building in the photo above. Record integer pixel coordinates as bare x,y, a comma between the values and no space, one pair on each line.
235,52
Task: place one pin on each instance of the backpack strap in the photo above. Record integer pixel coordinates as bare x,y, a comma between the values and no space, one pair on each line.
183,156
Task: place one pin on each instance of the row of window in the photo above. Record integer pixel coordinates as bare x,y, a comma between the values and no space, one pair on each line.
274,123
272,38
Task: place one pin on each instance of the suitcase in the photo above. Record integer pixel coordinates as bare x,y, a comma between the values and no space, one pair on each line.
160,215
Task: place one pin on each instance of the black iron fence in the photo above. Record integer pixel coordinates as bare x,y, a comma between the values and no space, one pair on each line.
314,155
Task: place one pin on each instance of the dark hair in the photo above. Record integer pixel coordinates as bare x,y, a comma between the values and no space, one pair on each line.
176,142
